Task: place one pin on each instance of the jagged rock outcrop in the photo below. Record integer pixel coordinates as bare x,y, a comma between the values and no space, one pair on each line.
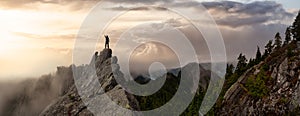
85,97
281,95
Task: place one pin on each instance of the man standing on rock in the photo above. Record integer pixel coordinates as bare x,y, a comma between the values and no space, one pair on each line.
106,42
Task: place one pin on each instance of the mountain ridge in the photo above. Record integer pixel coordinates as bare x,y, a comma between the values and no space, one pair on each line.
270,87
106,69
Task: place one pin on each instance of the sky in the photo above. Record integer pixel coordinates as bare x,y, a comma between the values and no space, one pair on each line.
36,36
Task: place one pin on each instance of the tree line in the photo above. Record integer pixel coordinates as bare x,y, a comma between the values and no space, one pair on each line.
292,33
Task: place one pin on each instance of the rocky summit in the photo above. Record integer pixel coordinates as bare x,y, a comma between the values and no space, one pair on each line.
90,99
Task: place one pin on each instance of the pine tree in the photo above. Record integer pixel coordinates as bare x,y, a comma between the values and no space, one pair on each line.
278,41
229,70
287,36
251,63
258,55
242,64
269,48
296,28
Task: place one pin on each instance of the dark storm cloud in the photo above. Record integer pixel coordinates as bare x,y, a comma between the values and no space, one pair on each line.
227,13
239,14
253,8
235,14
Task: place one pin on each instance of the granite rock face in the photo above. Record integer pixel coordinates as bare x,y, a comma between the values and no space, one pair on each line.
283,97
95,91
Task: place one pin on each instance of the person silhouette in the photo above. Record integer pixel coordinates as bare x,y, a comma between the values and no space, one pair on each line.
106,42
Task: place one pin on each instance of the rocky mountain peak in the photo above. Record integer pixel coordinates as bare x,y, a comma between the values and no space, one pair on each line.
74,102
104,55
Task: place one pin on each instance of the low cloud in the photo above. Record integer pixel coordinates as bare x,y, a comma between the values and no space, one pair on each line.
29,97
